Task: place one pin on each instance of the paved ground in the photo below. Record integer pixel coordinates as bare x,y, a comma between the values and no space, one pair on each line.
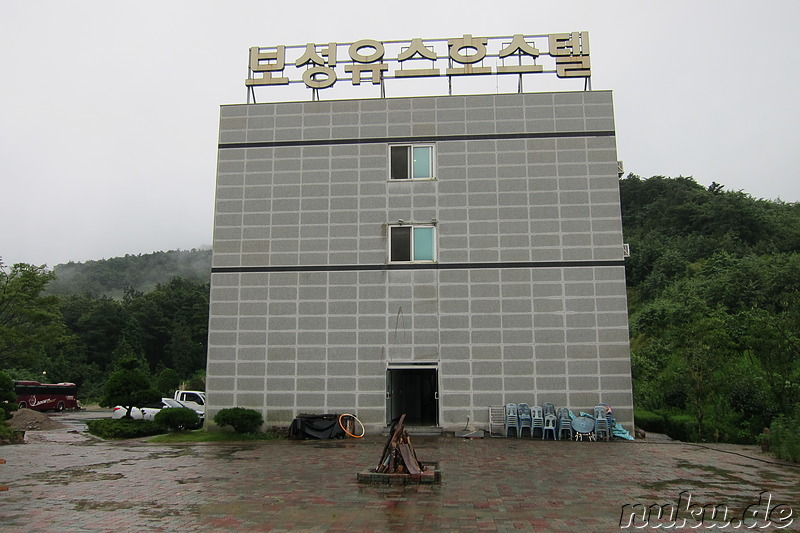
65,481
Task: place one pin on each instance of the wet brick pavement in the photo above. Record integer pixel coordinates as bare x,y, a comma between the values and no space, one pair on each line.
65,481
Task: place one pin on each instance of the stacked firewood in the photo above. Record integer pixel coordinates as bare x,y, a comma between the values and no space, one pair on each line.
398,455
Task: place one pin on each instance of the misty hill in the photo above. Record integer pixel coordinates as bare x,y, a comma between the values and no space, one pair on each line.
110,277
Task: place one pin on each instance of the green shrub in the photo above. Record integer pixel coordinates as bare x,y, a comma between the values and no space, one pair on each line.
721,423
240,419
682,427
649,421
7,434
108,428
177,419
784,437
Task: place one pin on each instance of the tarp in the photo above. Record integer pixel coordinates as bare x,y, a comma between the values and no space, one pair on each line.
616,429
316,427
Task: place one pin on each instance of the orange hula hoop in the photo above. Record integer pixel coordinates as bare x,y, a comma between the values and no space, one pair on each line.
345,429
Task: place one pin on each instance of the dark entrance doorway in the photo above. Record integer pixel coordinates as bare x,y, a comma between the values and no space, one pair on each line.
415,393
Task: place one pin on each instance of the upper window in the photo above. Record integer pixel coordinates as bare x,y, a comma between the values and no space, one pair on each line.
411,161
412,244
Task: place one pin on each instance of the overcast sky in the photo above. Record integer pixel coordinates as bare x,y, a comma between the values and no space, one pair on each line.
110,111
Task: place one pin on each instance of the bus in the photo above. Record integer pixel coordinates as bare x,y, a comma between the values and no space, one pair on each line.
46,397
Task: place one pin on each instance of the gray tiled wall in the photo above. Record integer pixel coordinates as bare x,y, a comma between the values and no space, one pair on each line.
303,202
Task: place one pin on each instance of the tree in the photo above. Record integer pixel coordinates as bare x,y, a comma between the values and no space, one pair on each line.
29,320
772,340
701,344
174,323
168,381
129,386
8,398
185,353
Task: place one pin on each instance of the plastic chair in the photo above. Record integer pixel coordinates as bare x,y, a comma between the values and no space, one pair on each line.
512,420
548,409
524,417
610,417
564,423
550,422
537,420
601,426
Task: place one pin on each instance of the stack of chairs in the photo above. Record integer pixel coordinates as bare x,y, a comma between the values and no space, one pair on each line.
609,416
545,422
537,421
497,421
525,418
564,423
512,419
550,423
602,429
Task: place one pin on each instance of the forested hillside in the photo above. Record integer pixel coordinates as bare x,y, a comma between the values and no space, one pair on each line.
81,338
110,277
714,301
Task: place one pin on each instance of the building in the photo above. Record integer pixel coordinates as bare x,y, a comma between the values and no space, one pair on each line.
431,256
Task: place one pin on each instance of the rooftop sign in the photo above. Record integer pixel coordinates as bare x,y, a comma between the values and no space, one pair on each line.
371,61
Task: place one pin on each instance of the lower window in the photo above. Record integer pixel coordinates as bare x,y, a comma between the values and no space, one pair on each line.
412,244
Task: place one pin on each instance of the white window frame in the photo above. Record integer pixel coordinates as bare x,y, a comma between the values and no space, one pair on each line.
434,250
410,162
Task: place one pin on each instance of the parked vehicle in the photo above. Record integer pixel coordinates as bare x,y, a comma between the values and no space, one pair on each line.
192,398
148,412
46,397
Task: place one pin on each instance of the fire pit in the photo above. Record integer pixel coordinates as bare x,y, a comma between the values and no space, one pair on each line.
399,464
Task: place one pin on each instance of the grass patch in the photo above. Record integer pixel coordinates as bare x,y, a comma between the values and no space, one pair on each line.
212,436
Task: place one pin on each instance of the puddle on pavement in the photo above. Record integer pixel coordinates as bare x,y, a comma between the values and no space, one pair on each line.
104,505
713,484
709,477
721,472
227,452
92,472
77,475
150,509
171,453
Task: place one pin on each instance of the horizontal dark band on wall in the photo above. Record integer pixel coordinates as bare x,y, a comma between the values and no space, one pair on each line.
416,266
419,139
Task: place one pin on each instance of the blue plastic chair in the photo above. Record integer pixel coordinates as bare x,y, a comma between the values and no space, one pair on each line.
524,417
512,420
550,423
564,423
537,421
610,417
602,429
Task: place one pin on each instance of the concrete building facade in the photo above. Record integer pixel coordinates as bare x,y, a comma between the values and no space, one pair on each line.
431,256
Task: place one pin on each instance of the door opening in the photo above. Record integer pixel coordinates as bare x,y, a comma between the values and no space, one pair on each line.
415,393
